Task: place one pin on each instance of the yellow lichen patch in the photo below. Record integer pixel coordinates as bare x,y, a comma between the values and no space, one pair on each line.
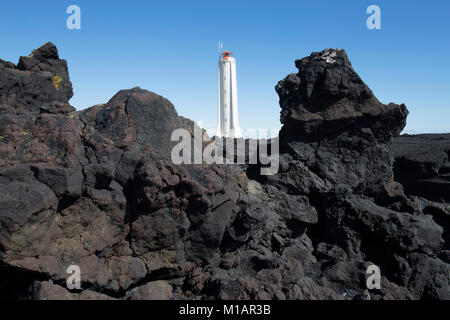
25,132
57,81
3,138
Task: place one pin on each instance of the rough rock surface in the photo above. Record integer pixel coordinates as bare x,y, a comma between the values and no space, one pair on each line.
97,188
422,165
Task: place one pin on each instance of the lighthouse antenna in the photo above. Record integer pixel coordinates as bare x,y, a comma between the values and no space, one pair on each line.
220,47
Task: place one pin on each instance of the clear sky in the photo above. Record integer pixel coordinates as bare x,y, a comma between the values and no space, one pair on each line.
170,47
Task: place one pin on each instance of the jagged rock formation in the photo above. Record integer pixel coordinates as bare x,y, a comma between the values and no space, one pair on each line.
97,188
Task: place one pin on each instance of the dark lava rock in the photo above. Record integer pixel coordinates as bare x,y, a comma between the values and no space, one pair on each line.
97,188
328,97
422,165
36,81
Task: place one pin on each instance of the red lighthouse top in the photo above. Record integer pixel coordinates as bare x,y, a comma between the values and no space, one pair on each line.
226,55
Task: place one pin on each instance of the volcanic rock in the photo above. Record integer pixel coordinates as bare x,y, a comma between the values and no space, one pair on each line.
97,188
422,165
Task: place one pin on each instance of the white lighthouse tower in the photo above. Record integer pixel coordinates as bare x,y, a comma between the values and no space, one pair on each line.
227,118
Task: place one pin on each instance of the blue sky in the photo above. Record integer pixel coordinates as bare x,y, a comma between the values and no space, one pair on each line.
170,47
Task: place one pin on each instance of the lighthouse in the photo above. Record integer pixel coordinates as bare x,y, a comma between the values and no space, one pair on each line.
227,118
